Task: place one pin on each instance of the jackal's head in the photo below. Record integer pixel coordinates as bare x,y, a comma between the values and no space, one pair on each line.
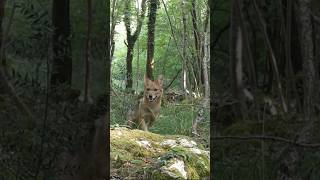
153,89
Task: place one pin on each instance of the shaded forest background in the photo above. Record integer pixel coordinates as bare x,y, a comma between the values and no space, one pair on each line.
266,66
53,97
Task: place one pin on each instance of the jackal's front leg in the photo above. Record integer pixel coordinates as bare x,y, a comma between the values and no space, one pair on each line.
143,125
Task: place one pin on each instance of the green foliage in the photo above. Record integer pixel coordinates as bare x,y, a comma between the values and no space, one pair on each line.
166,57
174,118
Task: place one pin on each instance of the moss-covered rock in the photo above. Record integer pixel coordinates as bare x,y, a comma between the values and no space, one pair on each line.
137,154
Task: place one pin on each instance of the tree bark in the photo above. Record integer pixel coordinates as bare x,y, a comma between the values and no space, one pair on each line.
62,60
151,30
129,66
132,38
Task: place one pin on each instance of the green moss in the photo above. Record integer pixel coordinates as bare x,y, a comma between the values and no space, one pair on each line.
133,160
192,172
197,164
157,175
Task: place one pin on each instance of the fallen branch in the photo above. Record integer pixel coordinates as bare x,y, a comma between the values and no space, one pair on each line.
219,34
174,78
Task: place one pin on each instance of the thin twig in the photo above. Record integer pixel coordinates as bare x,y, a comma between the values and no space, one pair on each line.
218,36
172,31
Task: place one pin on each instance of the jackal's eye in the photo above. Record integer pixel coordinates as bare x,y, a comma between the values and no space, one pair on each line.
148,89
155,89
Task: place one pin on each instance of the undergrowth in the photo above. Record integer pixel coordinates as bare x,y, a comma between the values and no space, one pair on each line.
175,117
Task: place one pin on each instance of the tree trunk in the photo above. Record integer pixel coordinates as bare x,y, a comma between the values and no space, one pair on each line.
62,60
309,95
151,30
233,36
200,113
251,69
129,66
205,65
308,66
113,25
236,58
184,48
197,42
273,57
3,62
87,97
138,76
132,38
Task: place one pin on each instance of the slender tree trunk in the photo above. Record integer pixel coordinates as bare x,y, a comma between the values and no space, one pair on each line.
317,45
252,75
151,31
309,96
308,65
184,48
200,112
132,38
3,61
205,65
236,58
62,60
138,64
273,57
2,53
113,26
234,19
197,42
87,81
129,66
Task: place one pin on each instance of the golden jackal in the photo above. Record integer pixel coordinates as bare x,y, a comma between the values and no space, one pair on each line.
148,108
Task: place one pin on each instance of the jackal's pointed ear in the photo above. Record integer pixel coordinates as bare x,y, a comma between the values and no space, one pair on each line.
146,79
160,80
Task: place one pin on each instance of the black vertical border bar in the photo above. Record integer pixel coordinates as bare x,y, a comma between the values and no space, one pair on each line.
108,76
211,22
